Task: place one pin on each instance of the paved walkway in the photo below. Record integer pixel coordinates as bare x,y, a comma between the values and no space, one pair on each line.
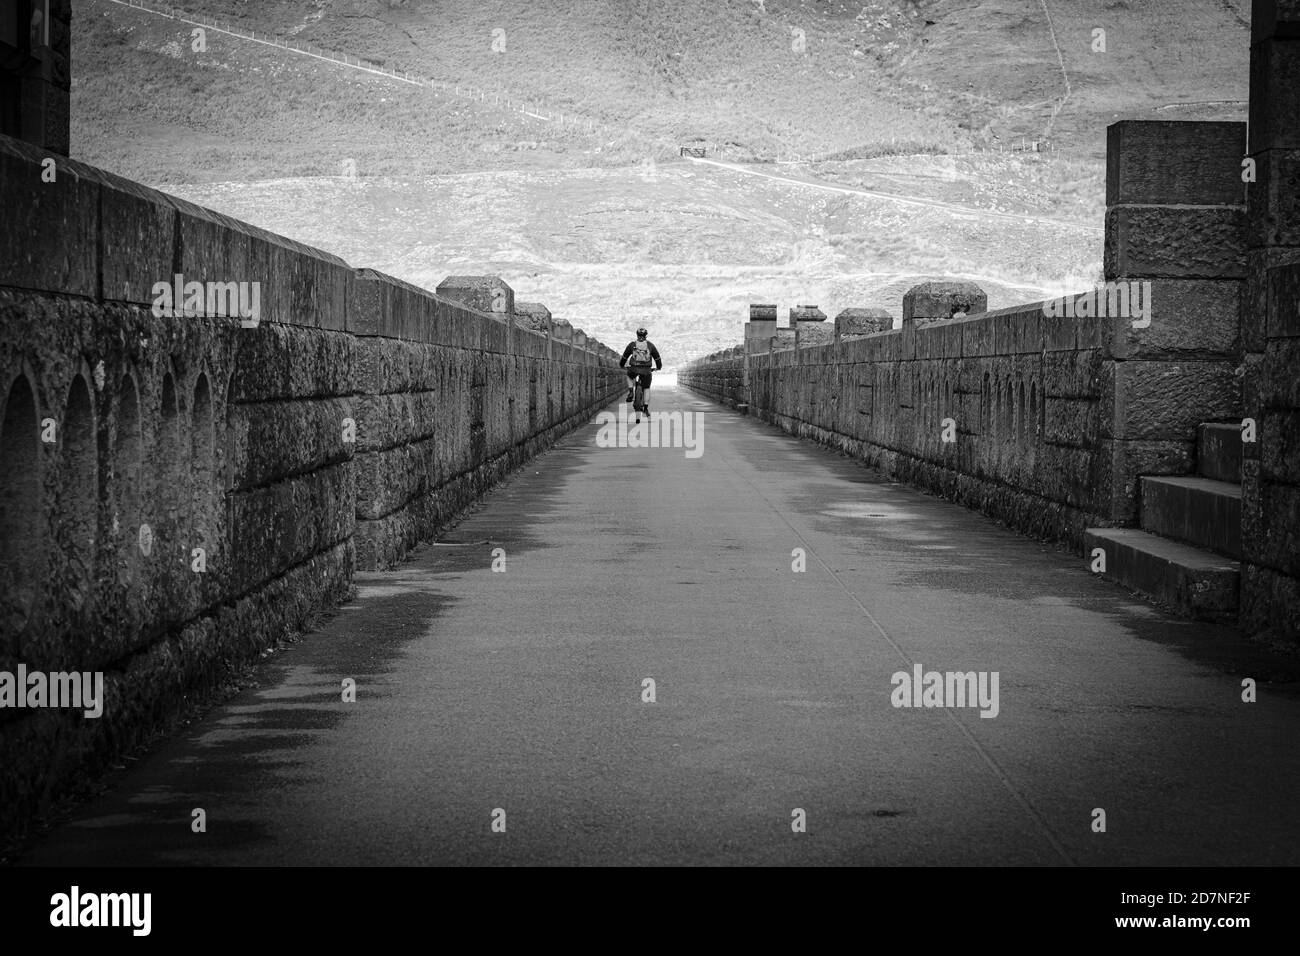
523,691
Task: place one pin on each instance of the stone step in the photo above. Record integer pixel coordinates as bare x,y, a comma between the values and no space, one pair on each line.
1218,452
1190,581
1199,511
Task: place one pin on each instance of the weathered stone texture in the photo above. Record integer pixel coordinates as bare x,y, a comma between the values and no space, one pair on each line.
206,488
488,294
942,300
853,323
1174,163
1174,242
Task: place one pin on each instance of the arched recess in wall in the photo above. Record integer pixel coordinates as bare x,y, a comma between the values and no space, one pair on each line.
168,485
128,465
916,383
935,412
78,499
1022,428
1009,411
985,410
943,407
1041,423
22,540
932,410
229,465
996,434
202,477
1033,429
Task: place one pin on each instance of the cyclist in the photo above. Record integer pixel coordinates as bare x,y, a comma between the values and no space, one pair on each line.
636,359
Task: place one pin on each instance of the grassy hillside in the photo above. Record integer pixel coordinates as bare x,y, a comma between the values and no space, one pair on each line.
682,249
862,79
916,98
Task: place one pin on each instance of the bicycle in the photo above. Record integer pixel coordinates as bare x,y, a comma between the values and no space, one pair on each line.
638,397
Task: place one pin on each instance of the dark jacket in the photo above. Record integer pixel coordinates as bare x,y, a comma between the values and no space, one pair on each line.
654,354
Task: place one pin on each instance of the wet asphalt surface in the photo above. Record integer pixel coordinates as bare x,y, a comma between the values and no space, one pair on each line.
522,691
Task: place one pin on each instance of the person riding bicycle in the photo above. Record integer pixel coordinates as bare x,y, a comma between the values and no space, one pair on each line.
637,358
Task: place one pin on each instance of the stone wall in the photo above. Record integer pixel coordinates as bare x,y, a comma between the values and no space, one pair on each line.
1270,586
450,402
177,492
1048,430
1041,416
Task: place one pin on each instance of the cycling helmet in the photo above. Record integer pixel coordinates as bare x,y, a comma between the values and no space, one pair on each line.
641,333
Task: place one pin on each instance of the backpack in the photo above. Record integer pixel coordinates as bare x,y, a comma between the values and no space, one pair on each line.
640,353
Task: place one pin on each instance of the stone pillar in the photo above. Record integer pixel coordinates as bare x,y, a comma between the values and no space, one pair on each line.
1176,218
35,66
761,325
561,331
481,293
1175,237
805,313
1174,200
932,302
533,316
1270,330
855,323
808,321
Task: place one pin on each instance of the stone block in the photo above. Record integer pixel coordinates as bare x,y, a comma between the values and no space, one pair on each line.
277,361
854,323
1283,302
274,440
533,316
392,308
1273,379
759,331
1270,604
277,526
298,285
1187,318
806,313
488,294
456,326
943,340
1279,446
1070,421
978,338
50,239
1273,200
1161,162
1274,95
137,239
943,300
1254,309
1166,400
1278,541
1207,242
